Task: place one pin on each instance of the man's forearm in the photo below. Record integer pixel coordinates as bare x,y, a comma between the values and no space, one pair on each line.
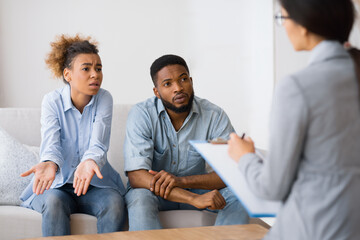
208,181
142,179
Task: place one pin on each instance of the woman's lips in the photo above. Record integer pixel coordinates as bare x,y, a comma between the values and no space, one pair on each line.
94,85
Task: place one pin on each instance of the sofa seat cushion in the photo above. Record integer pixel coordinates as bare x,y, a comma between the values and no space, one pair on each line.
19,222
186,218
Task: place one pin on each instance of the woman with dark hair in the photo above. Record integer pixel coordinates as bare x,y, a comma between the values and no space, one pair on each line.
75,132
313,163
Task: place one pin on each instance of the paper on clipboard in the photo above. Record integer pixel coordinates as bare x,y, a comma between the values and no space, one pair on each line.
217,157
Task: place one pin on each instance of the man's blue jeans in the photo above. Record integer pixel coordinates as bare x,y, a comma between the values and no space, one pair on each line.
56,205
144,206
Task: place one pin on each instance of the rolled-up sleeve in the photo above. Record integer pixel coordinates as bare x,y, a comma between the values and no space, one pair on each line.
100,135
272,178
221,126
138,145
50,148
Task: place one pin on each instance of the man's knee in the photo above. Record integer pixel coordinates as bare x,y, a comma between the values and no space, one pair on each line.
141,198
228,195
231,201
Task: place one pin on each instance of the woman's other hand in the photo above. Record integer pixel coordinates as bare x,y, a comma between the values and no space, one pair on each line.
239,147
44,176
83,175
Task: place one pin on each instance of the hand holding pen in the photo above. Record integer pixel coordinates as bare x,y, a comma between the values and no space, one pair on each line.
239,146
222,140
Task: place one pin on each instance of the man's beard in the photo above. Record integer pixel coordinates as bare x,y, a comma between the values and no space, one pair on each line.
182,109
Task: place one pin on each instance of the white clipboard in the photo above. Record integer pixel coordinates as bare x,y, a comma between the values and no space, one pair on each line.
216,155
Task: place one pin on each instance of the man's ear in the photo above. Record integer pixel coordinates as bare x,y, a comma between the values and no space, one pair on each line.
67,75
156,92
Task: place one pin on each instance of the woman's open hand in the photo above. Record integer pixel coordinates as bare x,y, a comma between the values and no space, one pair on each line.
44,176
83,175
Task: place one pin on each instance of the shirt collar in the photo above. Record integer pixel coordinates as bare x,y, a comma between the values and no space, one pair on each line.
66,97
326,50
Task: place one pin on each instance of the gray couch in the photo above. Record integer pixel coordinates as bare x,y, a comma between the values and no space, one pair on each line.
23,124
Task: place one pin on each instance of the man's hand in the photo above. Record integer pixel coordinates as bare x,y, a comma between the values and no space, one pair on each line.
83,175
239,147
212,200
44,176
163,182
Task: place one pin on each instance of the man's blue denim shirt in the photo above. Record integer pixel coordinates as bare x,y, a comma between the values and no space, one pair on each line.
151,141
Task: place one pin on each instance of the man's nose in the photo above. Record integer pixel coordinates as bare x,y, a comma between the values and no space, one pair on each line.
178,86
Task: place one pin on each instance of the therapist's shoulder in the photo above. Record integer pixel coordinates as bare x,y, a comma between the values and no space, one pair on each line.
294,89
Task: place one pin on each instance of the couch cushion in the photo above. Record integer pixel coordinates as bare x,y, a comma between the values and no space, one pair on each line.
15,158
22,123
118,128
19,222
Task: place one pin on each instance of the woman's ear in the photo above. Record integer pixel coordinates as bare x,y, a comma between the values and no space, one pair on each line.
303,31
67,75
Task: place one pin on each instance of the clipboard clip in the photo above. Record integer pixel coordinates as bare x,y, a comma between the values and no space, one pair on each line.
218,141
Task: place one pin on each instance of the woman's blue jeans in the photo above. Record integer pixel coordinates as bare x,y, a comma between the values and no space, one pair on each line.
56,206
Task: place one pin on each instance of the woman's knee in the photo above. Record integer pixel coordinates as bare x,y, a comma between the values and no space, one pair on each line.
56,202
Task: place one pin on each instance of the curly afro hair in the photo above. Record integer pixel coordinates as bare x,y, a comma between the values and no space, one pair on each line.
63,51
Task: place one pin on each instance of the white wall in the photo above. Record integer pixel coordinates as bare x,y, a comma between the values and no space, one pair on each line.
228,45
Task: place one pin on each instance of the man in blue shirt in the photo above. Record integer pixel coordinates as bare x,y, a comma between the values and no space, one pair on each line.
164,170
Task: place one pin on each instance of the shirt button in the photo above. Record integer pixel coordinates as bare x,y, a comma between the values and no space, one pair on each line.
173,162
174,145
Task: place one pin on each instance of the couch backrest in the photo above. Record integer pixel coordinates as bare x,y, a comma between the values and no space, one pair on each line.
24,125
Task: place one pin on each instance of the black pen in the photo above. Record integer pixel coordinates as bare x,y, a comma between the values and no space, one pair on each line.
242,137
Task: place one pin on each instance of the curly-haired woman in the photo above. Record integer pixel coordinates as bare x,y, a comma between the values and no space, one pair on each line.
73,175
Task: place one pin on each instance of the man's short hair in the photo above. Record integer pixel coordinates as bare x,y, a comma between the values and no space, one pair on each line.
164,61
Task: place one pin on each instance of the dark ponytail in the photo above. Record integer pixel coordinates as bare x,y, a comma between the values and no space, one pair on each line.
355,54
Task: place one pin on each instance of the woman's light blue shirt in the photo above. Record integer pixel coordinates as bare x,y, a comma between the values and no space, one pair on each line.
69,137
